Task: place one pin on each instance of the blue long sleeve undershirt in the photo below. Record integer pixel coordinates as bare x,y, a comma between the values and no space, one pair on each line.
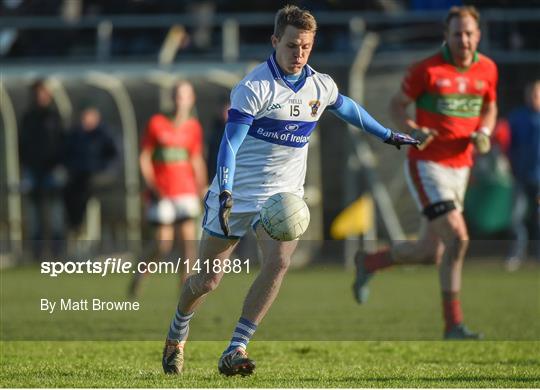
233,136
353,113
239,123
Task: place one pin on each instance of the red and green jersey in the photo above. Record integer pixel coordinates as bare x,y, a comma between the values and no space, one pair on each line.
450,99
172,147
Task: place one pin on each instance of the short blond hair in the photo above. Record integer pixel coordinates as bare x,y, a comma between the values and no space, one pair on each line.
291,15
460,12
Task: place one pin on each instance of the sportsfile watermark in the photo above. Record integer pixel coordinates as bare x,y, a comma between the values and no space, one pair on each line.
113,265
84,293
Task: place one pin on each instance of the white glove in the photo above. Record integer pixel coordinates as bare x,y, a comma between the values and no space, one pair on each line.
481,140
425,135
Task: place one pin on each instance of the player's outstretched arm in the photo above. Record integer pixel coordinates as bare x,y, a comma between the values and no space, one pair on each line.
398,111
233,136
351,112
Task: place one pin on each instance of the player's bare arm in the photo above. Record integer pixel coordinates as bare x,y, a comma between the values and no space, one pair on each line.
398,111
488,117
201,177
147,171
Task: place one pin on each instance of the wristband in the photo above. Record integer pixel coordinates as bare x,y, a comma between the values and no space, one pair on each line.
485,130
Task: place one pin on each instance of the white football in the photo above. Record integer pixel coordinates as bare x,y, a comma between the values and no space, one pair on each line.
285,216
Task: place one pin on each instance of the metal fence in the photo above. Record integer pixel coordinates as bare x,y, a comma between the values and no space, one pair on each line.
130,91
508,35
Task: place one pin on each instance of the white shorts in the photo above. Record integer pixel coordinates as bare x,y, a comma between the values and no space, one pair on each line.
169,210
431,183
239,223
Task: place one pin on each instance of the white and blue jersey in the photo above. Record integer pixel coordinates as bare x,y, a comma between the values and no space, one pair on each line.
265,143
272,157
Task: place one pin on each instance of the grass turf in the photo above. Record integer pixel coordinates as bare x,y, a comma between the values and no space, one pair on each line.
280,364
332,336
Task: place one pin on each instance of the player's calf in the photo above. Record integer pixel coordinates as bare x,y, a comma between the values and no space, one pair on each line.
424,251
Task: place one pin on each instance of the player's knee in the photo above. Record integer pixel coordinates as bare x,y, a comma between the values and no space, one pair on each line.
458,235
164,246
457,246
282,263
428,252
210,283
461,243
279,264
427,258
423,251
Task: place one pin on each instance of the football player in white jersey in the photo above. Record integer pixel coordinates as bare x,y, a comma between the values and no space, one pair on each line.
263,151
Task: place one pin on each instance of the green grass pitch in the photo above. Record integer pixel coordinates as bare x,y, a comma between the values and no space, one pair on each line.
314,335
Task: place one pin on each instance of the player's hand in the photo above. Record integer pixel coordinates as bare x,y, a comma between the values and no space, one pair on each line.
154,195
481,142
399,139
225,206
425,135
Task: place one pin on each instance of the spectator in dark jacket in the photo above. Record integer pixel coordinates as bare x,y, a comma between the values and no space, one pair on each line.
90,154
524,156
40,145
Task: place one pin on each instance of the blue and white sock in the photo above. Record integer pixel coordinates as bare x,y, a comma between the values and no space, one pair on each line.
179,326
242,334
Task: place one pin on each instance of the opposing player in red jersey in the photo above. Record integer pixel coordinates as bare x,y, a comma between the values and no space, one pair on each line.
174,172
455,96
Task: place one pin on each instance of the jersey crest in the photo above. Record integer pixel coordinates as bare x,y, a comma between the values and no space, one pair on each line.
314,104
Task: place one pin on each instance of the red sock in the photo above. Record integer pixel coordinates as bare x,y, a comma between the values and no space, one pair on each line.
451,310
378,260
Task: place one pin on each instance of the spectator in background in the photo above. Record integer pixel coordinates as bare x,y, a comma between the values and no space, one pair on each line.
174,171
40,149
90,157
524,153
